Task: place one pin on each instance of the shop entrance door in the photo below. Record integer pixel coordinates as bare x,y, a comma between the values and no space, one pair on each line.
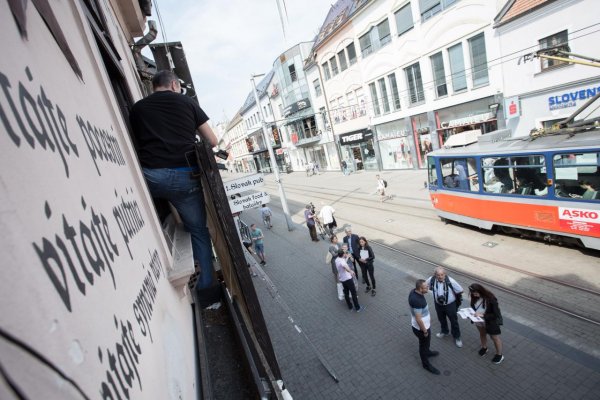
358,158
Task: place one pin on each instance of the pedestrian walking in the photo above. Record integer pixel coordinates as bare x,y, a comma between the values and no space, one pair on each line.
365,261
381,186
258,240
420,320
447,297
327,218
485,305
266,215
309,216
344,167
346,277
165,125
351,240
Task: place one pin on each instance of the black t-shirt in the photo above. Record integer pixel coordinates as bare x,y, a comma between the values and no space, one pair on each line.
164,125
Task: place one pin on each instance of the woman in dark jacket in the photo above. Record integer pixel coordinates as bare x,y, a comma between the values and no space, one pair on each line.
485,305
366,264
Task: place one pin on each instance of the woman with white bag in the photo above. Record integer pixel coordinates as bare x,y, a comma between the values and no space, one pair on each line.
346,277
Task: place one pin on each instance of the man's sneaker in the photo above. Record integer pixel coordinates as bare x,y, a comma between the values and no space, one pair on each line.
432,369
441,335
373,292
498,358
482,351
361,308
368,289
458,342
263,263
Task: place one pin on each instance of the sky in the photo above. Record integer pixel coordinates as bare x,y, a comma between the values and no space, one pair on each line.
225,41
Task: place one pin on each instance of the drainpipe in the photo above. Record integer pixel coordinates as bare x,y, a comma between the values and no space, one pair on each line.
143,42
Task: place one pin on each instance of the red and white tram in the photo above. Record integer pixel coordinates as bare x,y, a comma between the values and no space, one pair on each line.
546,186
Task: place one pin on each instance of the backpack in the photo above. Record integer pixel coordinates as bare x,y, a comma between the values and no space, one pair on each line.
384,183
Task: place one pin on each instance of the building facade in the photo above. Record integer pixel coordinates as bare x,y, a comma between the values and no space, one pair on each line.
541,92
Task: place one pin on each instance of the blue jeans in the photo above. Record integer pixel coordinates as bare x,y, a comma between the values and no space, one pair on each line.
185,193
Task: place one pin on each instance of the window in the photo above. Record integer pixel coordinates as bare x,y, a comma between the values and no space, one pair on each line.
429,8
520,175
292,70
342,59
415,83
326,72
365,44
478,60
439,75
334,66
404,20
560,41
351,53
317,86
374,99
577,176
457,67
433,179
383,30
377,37
459,173
395,94
384,95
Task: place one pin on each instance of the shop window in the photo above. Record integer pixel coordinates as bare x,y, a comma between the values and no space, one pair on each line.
395,93
457,68
478,60
577,175
317,86
384,95
351,53
459,173
334,66
415,83
374,99
560,41
342,59
326,73
404,20
439,75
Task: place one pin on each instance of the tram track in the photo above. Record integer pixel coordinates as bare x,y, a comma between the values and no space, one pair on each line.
394,209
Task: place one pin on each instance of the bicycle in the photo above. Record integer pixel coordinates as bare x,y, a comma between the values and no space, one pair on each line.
321,230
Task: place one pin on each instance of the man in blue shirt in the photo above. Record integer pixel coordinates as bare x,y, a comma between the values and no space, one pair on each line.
421,323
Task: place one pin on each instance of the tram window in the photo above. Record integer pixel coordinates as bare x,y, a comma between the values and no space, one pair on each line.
459,173
497,175
433,180
577,175
521,175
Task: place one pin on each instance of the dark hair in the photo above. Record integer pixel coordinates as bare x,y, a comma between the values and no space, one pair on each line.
419,283
340,253
331,238
163,78
485,294
365,239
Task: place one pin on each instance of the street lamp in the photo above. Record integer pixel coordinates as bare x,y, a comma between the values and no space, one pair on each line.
267,139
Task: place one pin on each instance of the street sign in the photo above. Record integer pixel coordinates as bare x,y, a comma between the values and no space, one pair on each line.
247,202
244,184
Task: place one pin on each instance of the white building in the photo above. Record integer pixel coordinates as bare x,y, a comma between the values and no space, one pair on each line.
403,76
540,92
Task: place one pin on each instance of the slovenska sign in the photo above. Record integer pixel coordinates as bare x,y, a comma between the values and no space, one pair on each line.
249,201
244,184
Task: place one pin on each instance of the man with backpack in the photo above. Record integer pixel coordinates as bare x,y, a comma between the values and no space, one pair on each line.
381,186
447,296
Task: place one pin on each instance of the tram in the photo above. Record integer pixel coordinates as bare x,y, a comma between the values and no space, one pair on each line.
545,185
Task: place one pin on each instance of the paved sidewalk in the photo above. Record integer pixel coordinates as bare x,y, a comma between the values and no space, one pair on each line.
374,354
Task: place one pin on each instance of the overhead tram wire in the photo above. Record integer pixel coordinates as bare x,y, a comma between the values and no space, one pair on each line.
163,33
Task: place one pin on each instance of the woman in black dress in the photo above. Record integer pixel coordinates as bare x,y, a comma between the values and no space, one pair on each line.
485,305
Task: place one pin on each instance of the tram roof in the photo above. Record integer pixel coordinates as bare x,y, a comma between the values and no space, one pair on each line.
581,140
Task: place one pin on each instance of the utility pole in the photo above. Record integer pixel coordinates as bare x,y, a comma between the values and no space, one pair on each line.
267,139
